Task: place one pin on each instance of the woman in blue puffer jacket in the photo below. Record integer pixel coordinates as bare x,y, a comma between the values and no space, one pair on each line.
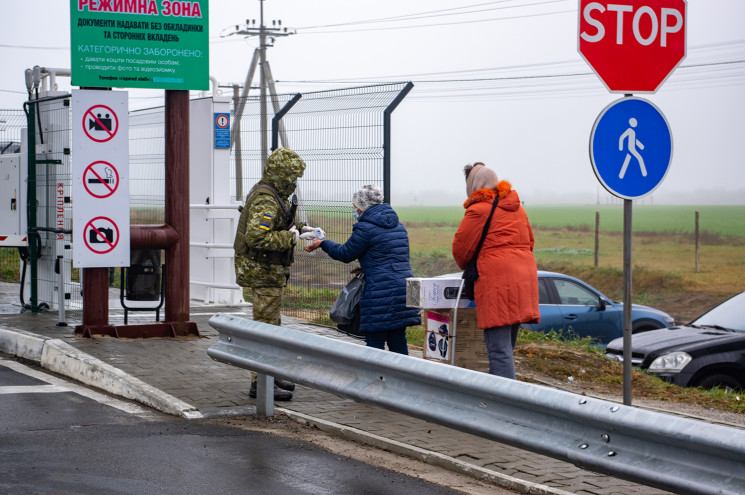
381,244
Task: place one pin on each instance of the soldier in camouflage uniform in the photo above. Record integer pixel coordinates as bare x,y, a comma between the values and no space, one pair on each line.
265,241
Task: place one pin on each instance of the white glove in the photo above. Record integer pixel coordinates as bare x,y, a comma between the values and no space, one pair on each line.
306,229
312,234
293,230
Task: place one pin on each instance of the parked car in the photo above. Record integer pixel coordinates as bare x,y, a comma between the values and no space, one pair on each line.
571,307
707,352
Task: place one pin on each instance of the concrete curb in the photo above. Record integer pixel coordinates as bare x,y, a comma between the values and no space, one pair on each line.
22,344
57,356
433,458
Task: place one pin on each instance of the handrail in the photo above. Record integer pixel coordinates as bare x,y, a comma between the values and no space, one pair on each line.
669,452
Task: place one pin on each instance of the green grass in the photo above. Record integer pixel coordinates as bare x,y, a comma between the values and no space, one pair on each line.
722,220
570,339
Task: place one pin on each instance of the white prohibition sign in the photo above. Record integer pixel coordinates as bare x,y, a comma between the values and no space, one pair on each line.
222,121
101,177
100,123
107,237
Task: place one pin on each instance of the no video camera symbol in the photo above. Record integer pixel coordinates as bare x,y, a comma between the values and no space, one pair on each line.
100,123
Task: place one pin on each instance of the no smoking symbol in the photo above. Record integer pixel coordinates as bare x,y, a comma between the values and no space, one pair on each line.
101,179
100,123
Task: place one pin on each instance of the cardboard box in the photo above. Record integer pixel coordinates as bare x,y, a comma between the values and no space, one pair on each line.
435,293
437,337
467,344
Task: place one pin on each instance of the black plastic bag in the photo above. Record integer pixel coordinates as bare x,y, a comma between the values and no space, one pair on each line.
470,274
345,311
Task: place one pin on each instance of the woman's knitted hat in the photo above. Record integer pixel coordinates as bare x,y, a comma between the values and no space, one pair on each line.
368,196
480,177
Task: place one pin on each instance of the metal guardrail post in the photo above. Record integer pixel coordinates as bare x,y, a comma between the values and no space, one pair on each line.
264,395
681,455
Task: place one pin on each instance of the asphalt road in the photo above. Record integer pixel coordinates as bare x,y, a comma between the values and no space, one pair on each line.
59,437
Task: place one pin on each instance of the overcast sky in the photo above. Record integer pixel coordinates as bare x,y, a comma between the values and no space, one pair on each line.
481,88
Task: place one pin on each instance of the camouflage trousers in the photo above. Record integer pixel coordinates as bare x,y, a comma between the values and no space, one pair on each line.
267,303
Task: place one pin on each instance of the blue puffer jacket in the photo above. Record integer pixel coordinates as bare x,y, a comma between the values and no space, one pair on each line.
381,243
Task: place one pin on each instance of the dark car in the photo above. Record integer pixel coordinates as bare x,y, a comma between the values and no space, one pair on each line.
571,307
708,352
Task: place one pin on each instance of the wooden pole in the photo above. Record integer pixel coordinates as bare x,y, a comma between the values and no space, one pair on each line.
698,243
597,236
177,207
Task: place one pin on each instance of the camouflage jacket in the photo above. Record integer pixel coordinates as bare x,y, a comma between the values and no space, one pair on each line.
263,245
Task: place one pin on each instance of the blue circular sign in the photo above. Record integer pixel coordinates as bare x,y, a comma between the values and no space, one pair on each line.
631,147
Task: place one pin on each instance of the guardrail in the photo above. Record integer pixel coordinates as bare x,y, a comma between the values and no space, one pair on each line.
669,452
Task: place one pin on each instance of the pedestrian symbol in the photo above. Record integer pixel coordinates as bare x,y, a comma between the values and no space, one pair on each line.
631,148
630,137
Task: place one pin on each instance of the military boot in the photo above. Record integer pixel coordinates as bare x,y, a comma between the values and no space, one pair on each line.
284,384
279,394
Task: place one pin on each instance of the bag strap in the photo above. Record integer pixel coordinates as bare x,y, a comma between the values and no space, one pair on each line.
288,213
486,229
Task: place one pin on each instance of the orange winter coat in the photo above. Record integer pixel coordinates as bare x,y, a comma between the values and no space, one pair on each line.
507,288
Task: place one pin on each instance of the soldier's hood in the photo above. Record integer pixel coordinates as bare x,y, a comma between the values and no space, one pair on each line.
283,167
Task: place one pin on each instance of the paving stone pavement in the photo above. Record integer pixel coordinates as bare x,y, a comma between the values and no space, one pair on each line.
181,367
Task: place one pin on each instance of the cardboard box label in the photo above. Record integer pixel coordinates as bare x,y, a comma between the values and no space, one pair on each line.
435,293
437,339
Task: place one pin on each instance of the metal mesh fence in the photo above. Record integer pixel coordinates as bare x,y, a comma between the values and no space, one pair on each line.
11,124
340,135
147,166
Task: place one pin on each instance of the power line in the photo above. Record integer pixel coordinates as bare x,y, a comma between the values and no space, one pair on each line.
434,13
475,21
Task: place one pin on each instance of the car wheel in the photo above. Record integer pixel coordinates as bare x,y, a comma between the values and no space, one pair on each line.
725,382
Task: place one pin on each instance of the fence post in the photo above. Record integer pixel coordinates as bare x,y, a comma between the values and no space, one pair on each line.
387,140
698,242
278,117
597,236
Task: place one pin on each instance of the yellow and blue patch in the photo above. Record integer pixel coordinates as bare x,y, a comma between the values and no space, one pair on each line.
265,224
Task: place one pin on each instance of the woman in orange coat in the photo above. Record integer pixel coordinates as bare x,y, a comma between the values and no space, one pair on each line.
506,291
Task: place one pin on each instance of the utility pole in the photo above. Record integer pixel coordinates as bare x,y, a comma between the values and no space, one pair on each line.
264,33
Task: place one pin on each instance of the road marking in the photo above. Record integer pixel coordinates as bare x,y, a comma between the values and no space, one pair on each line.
32,389
57,385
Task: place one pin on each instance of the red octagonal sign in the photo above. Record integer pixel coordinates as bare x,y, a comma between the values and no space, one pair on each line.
633,45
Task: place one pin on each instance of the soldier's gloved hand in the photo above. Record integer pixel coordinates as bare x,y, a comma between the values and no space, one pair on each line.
296,234
312,234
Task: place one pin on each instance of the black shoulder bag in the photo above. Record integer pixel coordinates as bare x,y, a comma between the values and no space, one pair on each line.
471,273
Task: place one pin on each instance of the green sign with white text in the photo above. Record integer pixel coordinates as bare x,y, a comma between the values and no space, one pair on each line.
156,44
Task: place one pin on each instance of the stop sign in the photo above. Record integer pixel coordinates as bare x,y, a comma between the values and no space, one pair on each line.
633,45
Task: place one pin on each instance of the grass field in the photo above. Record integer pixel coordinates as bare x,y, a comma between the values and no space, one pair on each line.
663,249
720,220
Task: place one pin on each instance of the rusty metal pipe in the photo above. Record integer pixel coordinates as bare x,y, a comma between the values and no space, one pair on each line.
152,236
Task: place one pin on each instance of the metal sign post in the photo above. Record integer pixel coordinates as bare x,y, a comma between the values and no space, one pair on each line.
631,148
631,144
